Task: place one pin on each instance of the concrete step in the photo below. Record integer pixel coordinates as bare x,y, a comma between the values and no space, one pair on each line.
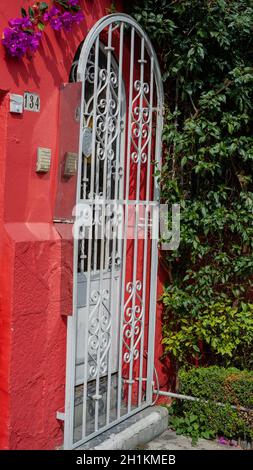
135,431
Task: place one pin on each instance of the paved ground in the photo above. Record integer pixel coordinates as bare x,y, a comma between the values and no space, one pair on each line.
169,440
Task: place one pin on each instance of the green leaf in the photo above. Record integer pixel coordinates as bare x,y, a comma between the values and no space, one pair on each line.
31,12
43,6
41,26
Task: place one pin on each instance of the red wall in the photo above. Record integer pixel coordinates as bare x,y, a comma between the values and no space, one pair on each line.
32,330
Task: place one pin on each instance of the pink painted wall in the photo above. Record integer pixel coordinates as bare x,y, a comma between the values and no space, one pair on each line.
32,252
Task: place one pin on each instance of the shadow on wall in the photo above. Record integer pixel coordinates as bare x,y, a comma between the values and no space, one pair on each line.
53,61
57,59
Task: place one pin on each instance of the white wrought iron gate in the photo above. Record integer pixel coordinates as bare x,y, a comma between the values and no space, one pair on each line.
110,345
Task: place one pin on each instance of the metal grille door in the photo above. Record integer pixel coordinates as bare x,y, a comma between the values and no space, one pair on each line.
110,348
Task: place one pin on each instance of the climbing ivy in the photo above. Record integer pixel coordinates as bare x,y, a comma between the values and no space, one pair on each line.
205,48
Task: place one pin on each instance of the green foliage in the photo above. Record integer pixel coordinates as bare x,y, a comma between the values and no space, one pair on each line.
207,419
218,384
224,329
205,50
190,424
111,9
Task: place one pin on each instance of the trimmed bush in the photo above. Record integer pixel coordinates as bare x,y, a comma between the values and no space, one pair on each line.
206,418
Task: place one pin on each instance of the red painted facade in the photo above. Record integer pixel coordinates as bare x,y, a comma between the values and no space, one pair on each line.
35,256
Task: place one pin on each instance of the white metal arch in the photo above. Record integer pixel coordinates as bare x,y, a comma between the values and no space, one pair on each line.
110,339
99,27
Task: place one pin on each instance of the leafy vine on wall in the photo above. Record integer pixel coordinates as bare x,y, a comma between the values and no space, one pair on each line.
205,52
24,33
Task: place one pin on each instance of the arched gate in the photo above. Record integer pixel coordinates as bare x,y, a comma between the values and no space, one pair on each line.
110,346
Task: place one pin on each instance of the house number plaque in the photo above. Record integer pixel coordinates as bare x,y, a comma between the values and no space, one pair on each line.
32,102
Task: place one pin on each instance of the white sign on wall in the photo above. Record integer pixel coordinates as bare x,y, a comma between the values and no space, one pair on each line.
16,103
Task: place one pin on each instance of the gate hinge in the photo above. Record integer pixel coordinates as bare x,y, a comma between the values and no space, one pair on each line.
60,415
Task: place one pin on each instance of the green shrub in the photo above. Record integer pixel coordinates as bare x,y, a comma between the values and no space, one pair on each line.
206,418
205,52
225,331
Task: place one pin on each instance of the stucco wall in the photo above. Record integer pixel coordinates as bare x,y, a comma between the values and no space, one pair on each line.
33,256
33,332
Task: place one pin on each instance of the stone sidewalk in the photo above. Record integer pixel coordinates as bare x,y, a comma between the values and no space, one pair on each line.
169,440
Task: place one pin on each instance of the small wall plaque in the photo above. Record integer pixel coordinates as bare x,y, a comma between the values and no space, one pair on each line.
70,164
32,102
16,103
43,160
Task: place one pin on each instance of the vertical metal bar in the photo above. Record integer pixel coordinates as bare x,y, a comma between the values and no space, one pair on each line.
72,321
136,229
113,306
154,256
145,254
152,319
93,157
123,278
109,56
85,181
96,213
70,385
108,189
82,241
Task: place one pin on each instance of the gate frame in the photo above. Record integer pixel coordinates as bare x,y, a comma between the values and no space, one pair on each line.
72,320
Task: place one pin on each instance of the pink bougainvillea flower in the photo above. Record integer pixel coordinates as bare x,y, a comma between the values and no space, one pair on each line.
20,23
53,17
222,440
73,3
17,41
79,17
22,37
69,19
34,41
